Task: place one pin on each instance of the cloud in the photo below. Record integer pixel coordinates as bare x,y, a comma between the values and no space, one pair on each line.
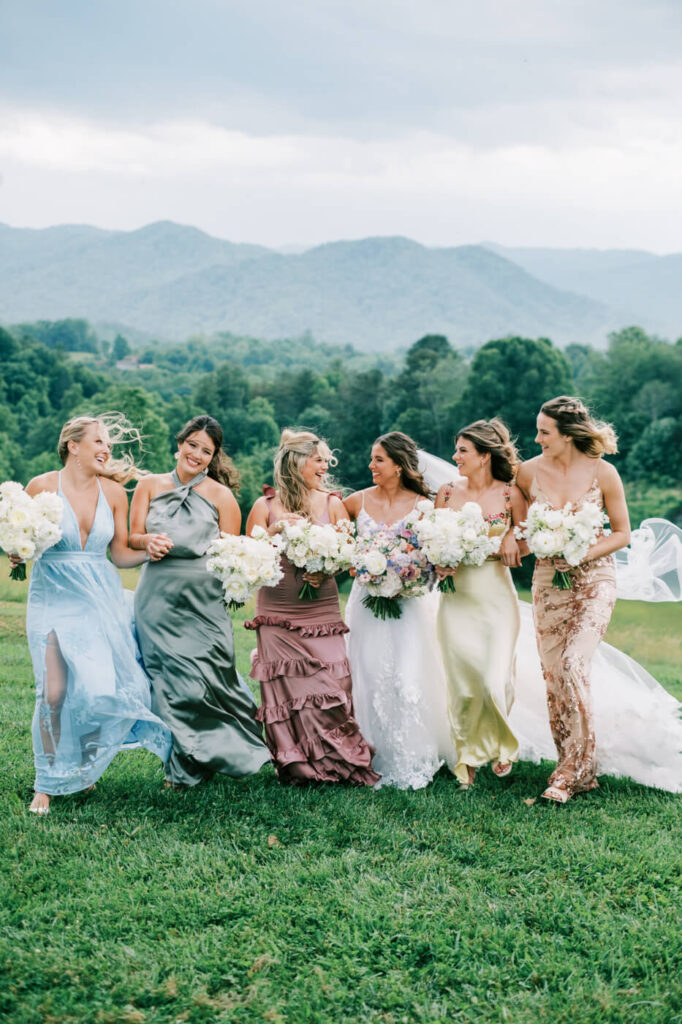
278,188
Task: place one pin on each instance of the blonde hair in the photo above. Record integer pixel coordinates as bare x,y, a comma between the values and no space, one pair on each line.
118,430
493,437
591,437
295,446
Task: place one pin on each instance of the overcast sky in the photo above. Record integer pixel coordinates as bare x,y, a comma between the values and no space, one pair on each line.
526,122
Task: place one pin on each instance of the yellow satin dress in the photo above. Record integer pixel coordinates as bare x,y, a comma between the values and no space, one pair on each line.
478,627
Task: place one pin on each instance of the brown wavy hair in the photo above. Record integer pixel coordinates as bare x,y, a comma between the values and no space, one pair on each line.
403,451
295,447
122,469
221,467
591,437
493,437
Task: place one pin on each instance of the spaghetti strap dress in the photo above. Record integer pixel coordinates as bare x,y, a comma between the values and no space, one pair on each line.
569,626
92,695
305,681
478,627
187,645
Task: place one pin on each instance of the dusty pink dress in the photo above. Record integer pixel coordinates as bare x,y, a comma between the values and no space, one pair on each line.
569,625
305,681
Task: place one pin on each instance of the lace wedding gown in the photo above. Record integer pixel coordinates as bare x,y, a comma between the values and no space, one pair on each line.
399,685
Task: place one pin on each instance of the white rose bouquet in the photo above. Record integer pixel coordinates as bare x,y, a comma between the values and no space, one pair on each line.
565,533
391,566
245,564
28,526
327,548
451,537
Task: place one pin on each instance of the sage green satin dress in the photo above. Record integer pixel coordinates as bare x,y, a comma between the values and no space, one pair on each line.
186,639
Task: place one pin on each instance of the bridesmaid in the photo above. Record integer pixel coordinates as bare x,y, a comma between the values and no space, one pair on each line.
301,662
570,623
184,630
92,696
478,625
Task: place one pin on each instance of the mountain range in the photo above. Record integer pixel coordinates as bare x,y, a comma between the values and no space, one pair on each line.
170,281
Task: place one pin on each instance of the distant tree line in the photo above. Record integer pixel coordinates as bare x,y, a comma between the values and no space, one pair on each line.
50,371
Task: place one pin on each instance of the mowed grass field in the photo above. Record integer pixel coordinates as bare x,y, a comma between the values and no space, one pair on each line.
242,901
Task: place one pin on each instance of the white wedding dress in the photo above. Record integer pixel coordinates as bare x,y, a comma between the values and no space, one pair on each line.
399,692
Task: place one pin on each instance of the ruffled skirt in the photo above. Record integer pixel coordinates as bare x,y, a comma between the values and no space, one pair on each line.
305,680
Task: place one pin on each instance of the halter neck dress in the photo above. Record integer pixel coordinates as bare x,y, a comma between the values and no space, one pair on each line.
305,681
188,646
101,703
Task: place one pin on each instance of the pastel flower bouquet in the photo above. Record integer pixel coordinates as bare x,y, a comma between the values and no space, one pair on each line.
315,547
245,564
392,567
28,526
565,533
451,537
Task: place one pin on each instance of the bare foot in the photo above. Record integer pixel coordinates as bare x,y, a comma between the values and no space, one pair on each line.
40,804
501,769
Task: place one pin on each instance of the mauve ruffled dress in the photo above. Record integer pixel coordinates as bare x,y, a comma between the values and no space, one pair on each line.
305,681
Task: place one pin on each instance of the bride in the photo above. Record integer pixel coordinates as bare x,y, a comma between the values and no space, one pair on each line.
398,680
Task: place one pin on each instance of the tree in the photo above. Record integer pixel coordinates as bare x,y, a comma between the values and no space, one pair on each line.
511,378
120,348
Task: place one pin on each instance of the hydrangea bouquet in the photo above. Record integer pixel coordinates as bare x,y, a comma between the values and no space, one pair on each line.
391,566
245,564
565,533
451,537
28,526
314,547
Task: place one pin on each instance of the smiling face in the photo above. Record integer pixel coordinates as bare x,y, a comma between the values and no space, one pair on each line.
382,467
195,453
467,458
313,471
548,437
92,451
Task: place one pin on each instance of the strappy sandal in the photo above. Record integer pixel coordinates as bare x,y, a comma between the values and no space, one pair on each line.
556,795
500,769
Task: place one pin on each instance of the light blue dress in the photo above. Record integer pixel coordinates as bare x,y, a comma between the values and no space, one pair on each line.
93,697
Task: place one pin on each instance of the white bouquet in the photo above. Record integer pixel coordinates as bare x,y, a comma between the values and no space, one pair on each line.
565,533
452,537
327,548
28,526
391,566
245,564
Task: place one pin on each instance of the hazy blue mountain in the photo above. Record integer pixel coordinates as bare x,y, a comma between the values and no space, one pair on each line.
77,270
171,281
647,287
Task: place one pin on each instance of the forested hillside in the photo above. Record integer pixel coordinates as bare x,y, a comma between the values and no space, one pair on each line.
50,371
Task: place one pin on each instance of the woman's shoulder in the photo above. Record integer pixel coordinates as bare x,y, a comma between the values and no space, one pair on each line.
112,488
353,502
154,483
44,482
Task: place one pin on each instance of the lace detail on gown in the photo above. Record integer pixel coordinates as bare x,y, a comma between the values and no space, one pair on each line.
398,685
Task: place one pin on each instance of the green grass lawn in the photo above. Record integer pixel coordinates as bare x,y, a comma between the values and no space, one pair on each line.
242,901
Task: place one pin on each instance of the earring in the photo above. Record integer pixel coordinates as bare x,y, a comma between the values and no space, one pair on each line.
176,456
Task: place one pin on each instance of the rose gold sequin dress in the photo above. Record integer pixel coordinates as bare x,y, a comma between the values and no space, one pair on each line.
569,625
